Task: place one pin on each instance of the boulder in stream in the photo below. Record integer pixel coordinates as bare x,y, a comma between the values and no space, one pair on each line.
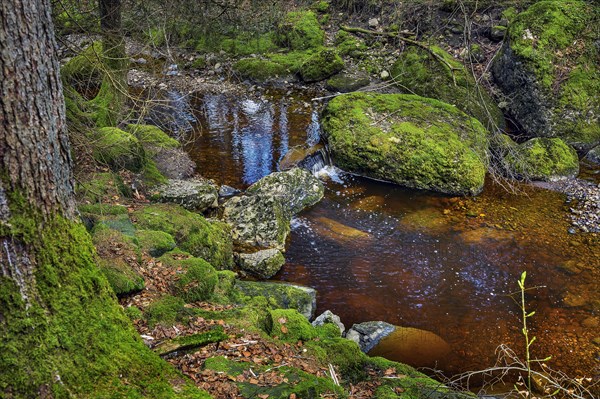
257,221
296,189
409,140
264,263
549,69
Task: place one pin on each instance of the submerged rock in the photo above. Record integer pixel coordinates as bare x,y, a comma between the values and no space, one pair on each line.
418,71
402,344
549,69
283,295
257,220
296,189
194,194
409,140
265,263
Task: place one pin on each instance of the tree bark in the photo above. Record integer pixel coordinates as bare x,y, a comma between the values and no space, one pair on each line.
34,149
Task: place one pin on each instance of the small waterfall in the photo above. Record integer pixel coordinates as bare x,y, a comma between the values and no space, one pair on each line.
316,160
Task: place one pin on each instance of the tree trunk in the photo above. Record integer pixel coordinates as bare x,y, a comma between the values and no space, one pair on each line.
62,332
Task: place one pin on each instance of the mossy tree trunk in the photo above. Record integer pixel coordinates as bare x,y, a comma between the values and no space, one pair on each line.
62,333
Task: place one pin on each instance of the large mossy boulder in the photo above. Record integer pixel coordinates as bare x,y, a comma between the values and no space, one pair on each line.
209,240
296,189
195,278
549,69
118,149
257,221
321,65
436,74
282,295
546,159
86,68
300,30
409,140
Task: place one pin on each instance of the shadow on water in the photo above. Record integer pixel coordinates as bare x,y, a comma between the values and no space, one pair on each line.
376,251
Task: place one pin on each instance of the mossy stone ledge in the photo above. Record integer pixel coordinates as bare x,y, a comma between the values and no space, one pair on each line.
549,68
409,140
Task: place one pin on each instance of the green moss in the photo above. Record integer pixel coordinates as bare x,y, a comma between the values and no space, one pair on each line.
118,149
289,325
346,83
300,30
133,312
185,343
544,159
154,243
321,6
291,61
195,280
259,70
100,187
279,296
152,136
224,290
417,71
193,233
246,44
85,68
103,209
72,339
321,65
348,45
409,140
168,310
151,176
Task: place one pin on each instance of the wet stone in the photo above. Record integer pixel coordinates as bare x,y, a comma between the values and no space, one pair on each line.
194,194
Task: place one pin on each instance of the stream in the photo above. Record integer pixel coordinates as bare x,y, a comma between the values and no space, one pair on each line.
376,251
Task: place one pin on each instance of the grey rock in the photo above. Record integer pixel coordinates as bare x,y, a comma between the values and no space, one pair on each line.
174,163
367,335
296,189
257,221
346,83
226,191
194,194
328,317
497,33
594,155
283,295
265,263
373,22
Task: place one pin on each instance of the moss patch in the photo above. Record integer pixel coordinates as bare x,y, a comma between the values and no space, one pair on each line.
193,233
321,65
118,149
289,325
300,30
544,159
417,71
79,342
152,136
195,279
154,243
166,311
85,68
409,140
259,70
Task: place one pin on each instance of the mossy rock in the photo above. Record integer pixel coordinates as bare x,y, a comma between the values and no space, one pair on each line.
85,68
192,232
154,243
282,295
264,263
549,68
151,136
188,342
346,83
546,159
300,30
196,278
118,149
224,290
321,65
418,71
117,253
289,325
259,70
409,140
166,311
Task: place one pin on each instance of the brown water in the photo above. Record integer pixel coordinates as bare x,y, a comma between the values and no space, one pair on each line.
376,251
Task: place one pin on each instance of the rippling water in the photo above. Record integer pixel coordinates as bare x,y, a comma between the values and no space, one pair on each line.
375,251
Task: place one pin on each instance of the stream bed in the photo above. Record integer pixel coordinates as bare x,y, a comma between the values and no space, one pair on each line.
376,251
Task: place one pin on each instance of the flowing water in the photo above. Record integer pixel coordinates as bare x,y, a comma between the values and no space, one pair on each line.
376,251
